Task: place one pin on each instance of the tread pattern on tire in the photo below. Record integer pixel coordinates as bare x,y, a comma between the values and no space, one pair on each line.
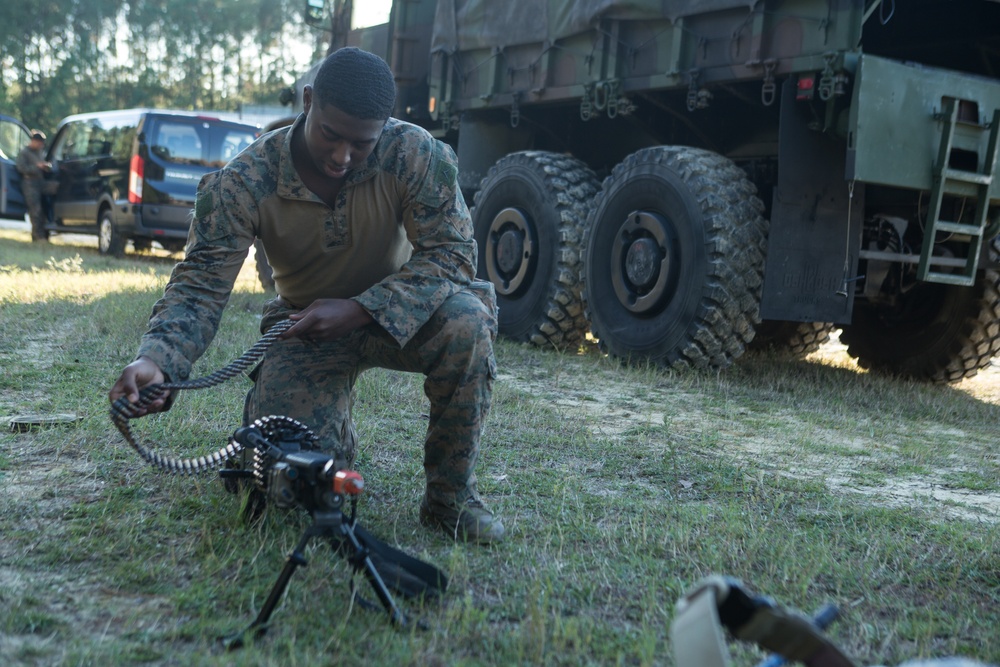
730,309
797,339
972,348
572,185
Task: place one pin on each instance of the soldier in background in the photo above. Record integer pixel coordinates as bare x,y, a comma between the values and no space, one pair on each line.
374,259
32,166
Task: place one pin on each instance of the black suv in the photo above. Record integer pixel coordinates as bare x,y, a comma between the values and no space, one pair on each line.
133,174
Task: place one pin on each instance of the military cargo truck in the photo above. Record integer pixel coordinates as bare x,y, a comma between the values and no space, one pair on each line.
678,177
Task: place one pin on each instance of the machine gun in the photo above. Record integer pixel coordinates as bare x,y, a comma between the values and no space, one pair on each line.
289,471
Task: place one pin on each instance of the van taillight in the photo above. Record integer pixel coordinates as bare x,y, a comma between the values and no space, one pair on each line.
135,171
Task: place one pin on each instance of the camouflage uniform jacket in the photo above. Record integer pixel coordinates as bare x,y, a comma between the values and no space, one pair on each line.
399,241
27,163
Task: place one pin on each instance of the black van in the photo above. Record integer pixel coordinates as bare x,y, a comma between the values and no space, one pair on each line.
133,174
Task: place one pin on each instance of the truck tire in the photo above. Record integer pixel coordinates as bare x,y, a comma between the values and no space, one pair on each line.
938,333
110,240
797,339
528,217
675,258
264,269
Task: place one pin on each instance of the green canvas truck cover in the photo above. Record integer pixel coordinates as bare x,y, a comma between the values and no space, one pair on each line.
462,25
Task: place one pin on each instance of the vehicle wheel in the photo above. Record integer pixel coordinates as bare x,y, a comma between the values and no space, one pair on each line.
142,245
528,216
675,258
940,333
110,241
797,339
264,270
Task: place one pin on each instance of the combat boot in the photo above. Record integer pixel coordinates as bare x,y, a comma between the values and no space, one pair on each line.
469,521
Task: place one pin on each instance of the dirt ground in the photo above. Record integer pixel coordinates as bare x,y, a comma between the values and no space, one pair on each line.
606,404
598,402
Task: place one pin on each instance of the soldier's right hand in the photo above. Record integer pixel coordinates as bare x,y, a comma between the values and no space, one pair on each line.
140,373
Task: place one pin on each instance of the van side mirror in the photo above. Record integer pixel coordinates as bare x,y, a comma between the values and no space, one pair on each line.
315,13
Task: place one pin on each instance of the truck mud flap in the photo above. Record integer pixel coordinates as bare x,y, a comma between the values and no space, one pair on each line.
815,231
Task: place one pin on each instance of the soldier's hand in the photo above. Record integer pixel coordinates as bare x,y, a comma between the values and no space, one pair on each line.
327,319
140,373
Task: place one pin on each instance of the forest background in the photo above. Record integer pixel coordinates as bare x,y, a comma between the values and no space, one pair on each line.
60,57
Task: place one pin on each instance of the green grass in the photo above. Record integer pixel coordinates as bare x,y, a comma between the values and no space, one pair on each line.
620,488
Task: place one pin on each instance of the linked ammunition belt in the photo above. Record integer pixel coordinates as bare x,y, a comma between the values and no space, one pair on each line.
123,410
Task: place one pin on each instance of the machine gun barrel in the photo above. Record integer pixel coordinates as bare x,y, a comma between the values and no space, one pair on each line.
251,438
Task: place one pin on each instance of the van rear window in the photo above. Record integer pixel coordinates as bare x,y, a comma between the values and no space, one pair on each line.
197,142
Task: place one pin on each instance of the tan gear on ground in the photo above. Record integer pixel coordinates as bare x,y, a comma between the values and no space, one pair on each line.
718,602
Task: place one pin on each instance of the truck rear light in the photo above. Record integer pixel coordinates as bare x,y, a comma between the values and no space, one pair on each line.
806,87
135,172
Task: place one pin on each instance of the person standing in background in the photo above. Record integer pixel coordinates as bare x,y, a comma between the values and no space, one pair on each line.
32,166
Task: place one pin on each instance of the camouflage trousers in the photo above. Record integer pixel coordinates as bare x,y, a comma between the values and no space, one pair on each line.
314,383
31,188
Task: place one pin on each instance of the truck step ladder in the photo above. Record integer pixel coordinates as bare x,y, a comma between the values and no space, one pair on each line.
948,181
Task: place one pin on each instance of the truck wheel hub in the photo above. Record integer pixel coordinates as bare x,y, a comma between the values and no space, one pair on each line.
640,262
509,251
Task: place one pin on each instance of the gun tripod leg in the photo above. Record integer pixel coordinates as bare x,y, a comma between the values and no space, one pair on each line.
364,562
259,625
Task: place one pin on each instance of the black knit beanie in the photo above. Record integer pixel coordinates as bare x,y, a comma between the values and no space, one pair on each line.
357,82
